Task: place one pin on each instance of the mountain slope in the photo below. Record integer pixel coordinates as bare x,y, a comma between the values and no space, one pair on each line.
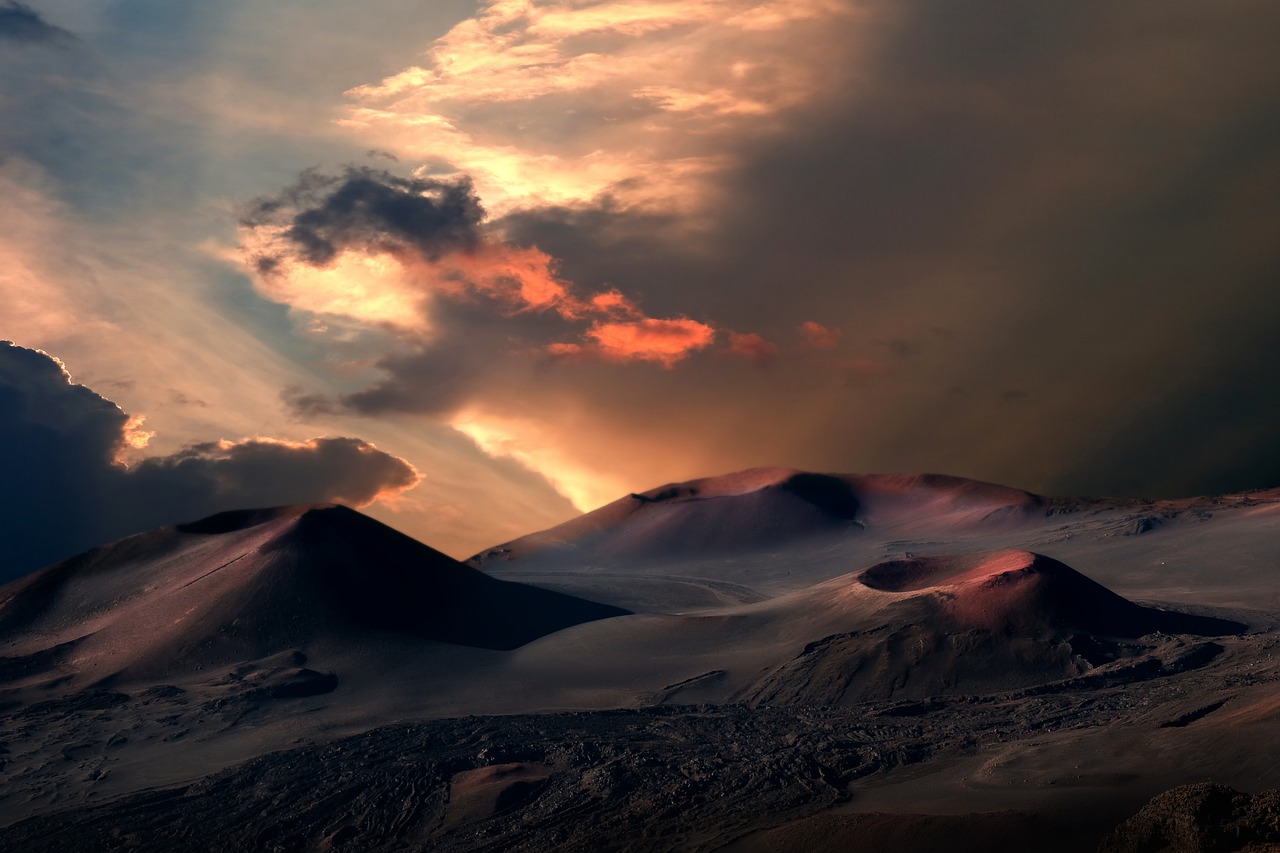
976,623
764,507
247,584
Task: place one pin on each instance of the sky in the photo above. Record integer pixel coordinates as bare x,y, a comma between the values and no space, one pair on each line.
477,267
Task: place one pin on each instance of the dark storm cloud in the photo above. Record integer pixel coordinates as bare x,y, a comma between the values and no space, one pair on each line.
258,472
434,381
63,491
1074,189
1216,434
471,346
369,209
20,23
431,382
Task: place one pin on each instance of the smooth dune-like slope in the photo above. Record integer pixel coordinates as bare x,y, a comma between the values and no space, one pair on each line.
764,507
243,585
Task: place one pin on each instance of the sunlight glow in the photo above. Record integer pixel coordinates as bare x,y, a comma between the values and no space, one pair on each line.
525,442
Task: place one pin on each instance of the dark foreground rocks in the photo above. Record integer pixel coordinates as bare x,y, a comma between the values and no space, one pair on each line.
654,779
687,778
1202,818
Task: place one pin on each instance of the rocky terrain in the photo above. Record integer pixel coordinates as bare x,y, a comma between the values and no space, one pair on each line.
1203,818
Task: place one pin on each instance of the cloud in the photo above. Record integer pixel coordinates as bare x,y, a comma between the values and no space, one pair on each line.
370,209
435,380
455,303
365,244
35,301
265,471
752,346
374,247
66,491
568,102
20,23
666,342
818,336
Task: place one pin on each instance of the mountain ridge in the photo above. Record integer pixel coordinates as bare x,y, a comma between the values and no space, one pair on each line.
758,507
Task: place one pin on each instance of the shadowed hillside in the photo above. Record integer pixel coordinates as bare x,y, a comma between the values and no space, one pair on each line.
246,584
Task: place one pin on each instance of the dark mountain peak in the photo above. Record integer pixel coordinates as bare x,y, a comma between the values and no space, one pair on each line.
241,585
243,519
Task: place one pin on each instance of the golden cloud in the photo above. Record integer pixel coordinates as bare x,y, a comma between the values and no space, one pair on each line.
664,341
594,95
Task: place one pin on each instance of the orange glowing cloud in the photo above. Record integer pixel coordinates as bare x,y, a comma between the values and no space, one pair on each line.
612,302
324,255
524,279
396,288
818,336
374,248
664,341
133,437
752,346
